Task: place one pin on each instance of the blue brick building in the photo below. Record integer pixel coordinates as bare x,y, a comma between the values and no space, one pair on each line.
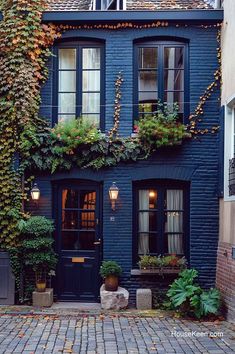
168,204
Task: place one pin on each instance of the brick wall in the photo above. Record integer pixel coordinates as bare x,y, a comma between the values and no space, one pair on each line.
196,162
225,278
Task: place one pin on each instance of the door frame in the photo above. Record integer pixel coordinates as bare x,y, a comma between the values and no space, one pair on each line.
57,185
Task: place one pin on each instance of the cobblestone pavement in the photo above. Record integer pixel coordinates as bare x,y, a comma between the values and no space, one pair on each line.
112,334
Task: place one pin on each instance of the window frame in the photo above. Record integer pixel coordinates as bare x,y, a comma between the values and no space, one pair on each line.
78,45
161,186
161,44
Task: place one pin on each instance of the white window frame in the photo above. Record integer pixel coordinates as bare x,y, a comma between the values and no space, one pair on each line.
229,153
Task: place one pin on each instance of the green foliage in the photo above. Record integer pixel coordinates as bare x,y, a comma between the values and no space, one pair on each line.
188,297
37,243
147,261
110,268
37,226
162,128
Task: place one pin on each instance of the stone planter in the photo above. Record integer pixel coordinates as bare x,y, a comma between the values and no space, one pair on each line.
7,281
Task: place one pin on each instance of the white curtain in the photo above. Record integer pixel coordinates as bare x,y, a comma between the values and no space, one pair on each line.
174,220
143,222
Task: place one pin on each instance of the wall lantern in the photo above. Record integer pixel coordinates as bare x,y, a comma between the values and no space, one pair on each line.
113,195
35,193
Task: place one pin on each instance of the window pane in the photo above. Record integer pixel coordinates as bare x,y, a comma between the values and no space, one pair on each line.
148,97
174,80
147,199
147,243
91,102
69,219
86,240
87,220
173,57
67,58
148,81
147,108
91,58
91,80
64,117
67,102
174,97
175,244
67,81
87,200
147,221
174,199
147,58
69,198
92,118
69,240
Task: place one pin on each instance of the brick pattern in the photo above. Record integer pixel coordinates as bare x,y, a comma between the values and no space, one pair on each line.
225,277
196,161
112,334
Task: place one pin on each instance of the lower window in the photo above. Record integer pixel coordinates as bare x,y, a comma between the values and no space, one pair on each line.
161,217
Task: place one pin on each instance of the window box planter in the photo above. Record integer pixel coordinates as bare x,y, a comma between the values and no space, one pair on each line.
156,271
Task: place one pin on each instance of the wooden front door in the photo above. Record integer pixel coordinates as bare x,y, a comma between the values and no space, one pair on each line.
78,242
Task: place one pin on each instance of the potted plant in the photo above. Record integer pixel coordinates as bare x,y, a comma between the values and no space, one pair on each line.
110,272
37,248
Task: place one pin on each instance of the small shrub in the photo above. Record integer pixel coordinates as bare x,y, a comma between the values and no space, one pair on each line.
110,268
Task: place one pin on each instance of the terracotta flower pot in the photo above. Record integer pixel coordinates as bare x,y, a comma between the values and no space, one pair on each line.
41,286
111,283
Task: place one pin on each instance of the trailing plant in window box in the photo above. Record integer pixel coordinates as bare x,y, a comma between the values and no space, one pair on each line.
189,298
161,128
171,263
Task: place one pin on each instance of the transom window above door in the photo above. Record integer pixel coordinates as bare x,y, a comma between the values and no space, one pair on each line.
161,219
79,88
159,76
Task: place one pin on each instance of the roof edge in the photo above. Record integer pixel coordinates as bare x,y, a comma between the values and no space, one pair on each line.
202,15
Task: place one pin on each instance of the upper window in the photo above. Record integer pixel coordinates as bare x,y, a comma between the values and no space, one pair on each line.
109,4
160,76
79,82
161,218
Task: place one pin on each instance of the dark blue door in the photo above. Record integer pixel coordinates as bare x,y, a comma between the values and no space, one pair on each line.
78,241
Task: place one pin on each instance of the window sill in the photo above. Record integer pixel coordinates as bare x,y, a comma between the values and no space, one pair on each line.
161,271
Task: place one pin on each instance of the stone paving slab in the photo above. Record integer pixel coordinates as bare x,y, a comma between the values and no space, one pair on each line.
113,333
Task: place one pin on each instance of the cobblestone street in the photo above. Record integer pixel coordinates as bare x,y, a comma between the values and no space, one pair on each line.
112,334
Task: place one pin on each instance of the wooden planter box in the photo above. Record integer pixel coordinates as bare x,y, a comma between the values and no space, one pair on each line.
157,271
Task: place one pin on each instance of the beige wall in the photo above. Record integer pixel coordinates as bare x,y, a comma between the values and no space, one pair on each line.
227,221
228,51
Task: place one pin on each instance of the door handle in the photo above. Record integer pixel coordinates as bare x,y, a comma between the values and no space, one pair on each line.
97,242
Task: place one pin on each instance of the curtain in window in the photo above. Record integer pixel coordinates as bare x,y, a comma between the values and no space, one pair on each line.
175,221
143,222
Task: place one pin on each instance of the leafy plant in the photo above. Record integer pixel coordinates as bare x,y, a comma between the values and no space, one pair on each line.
148,261
110,268
161,128
188,297
37,244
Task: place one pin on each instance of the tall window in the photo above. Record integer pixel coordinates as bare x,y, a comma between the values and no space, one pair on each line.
79,82
161,218
160,75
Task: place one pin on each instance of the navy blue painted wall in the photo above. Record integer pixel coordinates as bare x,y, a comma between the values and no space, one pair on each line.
196,161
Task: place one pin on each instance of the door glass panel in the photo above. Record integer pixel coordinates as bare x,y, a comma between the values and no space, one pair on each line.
147,58
69,240
69,219
86,240
87,220
91,58
69,198
67,58
87,200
